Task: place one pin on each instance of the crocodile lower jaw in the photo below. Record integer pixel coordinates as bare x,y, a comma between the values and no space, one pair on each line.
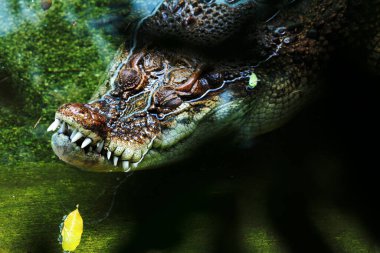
80,149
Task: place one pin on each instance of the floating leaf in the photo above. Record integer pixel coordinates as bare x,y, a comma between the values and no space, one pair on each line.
72,231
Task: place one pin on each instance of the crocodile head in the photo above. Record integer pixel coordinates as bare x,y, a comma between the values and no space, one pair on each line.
157,105
146,112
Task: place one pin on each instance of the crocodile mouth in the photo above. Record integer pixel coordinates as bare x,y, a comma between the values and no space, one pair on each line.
79,150
84,138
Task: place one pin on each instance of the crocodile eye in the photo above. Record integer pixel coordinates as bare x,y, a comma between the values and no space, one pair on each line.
152,63
128,79
166,100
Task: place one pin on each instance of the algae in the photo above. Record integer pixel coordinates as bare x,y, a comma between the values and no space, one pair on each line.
48,57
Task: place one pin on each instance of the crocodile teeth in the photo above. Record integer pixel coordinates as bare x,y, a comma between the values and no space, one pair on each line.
62,129
54,125
134,165
109,153
125,165
115,159
77,136
73,134
86,142
99,146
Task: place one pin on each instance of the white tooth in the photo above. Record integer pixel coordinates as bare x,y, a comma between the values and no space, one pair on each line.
73,134
86,142
54,125
115,159
77,136
126,166
134,165
109,153
99,146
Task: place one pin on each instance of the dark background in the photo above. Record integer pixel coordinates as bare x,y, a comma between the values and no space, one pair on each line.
325,156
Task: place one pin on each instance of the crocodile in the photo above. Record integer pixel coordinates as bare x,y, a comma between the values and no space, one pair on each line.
199,69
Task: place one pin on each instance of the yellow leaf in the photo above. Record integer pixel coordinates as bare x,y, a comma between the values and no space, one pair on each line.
72,231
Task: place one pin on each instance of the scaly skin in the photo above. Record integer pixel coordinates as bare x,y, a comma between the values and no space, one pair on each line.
158,103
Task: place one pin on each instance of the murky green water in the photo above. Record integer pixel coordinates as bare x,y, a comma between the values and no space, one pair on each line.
292,189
